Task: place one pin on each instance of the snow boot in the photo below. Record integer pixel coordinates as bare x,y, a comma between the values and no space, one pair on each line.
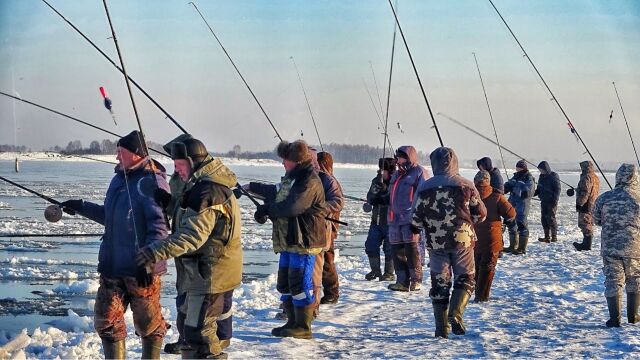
522,246
114,349
415,286
374,262
513,243
633,300
388,270
291,320
398,287
173,348
151,348
585,245
554,235
457,304
302,326
613,303
546,238
329,300
440,312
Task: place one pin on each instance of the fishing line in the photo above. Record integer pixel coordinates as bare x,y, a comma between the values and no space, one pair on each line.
626,122
307,100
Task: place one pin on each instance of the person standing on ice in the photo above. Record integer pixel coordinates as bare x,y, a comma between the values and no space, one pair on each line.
207,247
586,194
618,213
548,191
132,219
489,232
521,187
297,208
496,178
378,198
448,207
405,244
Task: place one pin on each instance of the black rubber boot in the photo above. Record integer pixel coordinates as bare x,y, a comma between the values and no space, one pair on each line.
151,348
513,243
633,300
440,312
613,303
554,234
585,245
389,274
302,326
114,349
546,238
374,263
522,245
291,319
457,304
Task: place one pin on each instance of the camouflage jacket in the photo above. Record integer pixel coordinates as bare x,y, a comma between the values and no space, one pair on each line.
588,187
618,212
448,205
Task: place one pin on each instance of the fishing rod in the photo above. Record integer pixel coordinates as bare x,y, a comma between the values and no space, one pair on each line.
271,182
40,195
495,132
415,70
376,110
47,235
386,118
625,121
90,158
553,97
307,100
375,82
119,68
237,71
493,142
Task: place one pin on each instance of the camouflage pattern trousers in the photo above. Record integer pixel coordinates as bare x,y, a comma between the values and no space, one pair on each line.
115,295
585,223
620,272
442,261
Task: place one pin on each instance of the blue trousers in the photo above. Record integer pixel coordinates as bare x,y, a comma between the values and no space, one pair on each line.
295,278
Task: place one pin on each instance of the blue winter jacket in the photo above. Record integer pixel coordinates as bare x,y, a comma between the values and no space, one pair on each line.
118,247
548,189
403,187
496,178
521,187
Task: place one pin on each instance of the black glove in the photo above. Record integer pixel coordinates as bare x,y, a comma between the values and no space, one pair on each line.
377,187
524,194
143,277
415,229
162,197
237,192
508,186
71,207
261,214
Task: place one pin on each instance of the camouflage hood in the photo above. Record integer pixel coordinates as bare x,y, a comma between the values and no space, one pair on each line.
444,161
627,177
214,170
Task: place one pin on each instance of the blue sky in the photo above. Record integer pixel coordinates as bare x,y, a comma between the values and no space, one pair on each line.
579,46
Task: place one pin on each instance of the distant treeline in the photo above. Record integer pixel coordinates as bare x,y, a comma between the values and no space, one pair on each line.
104,147
14,148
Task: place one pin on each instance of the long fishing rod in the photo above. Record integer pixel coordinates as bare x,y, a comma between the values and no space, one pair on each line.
626,122
553,97
47,235
459,123
313,119
376,110
495,132
119,69
375,82
415,70
237,70
40,195
386,117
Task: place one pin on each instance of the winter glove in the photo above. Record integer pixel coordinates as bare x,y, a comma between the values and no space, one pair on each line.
237,192
537,192
508,186
378,187
71,207
143,277
162,197
524,194
261,214
144,257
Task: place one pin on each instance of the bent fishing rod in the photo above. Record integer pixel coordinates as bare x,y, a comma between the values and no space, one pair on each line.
459,123
493,124
626,122
157,105
386,117
376,111
313,119
415,70
572,128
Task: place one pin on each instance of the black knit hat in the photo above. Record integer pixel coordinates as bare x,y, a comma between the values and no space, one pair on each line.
522,164
134,143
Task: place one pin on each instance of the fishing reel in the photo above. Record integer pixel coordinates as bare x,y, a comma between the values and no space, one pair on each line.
53,213
366,207
571,192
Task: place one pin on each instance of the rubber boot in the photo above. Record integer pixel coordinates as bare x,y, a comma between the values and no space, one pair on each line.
114,349
481,283
513,243
302,326
291,320
522,245
440,312
173,348
188,353
585,245
457,304
633,300
546,238
613,303
554,234
151,348
374,263
388,270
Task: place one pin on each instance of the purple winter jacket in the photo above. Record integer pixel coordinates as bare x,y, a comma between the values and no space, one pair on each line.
403,187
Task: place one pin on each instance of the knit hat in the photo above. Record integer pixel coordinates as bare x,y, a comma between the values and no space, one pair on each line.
297,151
482,178
522,164
134,143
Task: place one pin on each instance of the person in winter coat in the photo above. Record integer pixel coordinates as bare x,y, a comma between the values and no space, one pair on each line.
448,207
132,219
496,178
378,198
618,213
520,187
405,244
548,191
297,208
489,233
207,247
586,194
